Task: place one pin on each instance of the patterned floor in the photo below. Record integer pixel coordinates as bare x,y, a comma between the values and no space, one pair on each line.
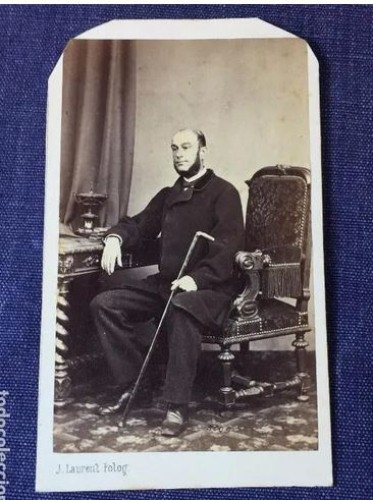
277,423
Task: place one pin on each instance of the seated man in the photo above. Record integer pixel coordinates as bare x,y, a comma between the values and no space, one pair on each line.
198,201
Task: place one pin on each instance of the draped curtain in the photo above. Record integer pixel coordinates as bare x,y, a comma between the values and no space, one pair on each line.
98,118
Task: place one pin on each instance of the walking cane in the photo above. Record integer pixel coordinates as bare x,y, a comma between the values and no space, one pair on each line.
199,234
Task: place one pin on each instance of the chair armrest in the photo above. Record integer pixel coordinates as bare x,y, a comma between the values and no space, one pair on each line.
250,263
279,269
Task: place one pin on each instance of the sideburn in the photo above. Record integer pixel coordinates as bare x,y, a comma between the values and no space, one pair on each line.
194,169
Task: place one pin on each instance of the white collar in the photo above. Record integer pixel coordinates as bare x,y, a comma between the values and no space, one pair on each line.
197,176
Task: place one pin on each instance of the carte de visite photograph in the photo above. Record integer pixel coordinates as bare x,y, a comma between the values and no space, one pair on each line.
181,251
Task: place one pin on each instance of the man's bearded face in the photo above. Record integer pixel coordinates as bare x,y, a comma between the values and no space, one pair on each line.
186,153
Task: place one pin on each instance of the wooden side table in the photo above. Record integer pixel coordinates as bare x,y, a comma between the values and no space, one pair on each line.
80,256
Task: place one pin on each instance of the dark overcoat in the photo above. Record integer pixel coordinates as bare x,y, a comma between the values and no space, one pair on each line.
211,205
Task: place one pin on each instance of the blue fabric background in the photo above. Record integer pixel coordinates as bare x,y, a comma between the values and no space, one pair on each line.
31,40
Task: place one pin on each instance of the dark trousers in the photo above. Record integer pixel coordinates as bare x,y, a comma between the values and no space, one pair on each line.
116,311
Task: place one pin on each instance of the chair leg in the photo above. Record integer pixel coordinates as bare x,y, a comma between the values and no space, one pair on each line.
227,395
244,358
300,344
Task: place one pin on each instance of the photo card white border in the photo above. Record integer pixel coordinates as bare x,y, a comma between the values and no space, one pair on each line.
162,470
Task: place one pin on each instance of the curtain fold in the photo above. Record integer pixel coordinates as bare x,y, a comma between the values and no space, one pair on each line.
98,123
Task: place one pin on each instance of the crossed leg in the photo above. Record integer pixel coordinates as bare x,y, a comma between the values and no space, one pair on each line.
115,313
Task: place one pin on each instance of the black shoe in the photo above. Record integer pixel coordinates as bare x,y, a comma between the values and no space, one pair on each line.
117,406
175,421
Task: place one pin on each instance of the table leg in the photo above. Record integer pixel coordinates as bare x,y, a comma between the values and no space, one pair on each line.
62,384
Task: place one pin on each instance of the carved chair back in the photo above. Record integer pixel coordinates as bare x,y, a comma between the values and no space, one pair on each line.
278,223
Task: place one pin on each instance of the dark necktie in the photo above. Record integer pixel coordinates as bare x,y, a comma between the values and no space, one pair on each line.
186,185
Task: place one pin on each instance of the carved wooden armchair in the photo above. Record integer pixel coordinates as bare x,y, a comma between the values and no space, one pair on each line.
275,265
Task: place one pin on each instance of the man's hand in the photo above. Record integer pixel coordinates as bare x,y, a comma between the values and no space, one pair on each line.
111,255
186,283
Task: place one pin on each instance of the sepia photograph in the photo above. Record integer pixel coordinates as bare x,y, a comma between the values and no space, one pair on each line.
188,304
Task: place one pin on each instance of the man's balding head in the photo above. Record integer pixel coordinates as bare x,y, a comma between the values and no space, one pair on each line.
198,133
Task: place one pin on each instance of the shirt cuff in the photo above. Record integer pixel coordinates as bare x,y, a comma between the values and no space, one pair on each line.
114,236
